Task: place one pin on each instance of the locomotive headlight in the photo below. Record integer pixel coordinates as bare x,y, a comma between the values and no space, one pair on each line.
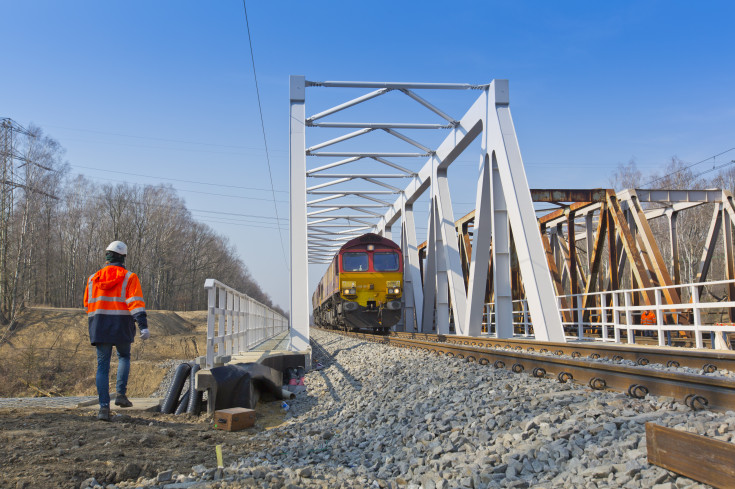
351,291
396,290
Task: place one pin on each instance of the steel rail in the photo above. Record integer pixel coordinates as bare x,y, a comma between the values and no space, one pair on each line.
696,391
642,355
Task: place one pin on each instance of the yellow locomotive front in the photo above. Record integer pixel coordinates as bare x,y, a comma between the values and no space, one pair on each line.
370,275
363,286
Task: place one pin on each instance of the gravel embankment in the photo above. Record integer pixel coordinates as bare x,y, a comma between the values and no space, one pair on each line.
378,417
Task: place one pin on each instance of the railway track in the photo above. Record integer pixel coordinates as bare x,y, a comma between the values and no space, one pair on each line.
578,363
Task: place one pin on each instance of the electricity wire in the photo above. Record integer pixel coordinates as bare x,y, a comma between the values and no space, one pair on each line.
690,166
265,141
177,179
184,190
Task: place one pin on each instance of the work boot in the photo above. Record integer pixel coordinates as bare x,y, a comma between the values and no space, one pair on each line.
122,401
104,414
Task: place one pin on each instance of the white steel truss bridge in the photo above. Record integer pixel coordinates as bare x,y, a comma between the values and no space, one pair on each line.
349,192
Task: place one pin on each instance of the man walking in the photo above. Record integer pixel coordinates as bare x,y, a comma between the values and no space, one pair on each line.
114,303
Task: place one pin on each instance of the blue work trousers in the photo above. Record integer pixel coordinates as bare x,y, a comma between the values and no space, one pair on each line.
104,352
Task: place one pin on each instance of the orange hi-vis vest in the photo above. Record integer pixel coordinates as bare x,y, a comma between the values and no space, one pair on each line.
648,318
113,300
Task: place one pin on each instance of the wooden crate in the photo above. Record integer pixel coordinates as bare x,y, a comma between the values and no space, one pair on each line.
234,419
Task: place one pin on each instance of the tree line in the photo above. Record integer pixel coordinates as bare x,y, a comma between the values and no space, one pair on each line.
54,227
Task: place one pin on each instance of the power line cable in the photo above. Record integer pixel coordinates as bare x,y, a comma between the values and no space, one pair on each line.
177,179
262,125
153,138
687,167
185,190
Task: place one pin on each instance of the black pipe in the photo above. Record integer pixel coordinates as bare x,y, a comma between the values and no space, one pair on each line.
169,402
183,403
195,396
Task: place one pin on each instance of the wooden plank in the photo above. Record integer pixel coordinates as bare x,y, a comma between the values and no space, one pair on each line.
700,458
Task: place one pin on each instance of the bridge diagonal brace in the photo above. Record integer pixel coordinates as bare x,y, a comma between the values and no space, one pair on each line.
631,247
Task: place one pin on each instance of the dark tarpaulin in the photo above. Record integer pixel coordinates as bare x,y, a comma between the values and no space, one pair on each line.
243,384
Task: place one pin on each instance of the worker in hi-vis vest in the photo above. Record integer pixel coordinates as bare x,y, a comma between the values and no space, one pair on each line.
114,303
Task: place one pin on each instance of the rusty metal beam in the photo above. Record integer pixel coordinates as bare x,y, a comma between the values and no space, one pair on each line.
709,245
558,214
568,195
697,457
596,259
649,242
555,276
631,248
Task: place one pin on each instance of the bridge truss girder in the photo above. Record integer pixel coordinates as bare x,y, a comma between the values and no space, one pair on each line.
503,204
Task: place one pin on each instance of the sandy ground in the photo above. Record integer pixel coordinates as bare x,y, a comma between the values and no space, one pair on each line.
50,448
60,448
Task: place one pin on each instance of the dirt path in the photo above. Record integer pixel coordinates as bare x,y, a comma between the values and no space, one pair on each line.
48,448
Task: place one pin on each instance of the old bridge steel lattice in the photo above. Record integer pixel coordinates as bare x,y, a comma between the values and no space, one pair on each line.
444,281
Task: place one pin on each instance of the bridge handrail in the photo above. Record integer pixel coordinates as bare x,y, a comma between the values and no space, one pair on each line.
242,321
619,306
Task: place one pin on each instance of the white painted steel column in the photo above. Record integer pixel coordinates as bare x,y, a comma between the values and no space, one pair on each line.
297,223
480,251
442,283
427,317
450,253
411,271
531,255
501,257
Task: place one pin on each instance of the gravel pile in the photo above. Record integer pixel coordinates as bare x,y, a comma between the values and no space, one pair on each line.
170,366
379,417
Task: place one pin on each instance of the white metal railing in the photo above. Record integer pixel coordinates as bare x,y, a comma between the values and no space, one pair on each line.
241,321
614,312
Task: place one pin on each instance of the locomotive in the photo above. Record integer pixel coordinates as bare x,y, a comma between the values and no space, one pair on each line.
361,289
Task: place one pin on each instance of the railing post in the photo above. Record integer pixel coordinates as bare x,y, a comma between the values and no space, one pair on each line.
629,317
222,306
616,316
603,315
659,319
211,302
524,305
580,317
236,322
228,322
697,318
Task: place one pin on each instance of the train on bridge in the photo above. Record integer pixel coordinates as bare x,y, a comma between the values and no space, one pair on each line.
361,289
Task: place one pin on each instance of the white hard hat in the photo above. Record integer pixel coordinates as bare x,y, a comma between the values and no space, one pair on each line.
118,247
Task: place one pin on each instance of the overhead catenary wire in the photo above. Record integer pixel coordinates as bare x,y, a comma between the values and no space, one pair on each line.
177,179
186,190
262,125
690,166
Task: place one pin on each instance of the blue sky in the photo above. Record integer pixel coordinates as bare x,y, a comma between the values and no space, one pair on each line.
164,90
